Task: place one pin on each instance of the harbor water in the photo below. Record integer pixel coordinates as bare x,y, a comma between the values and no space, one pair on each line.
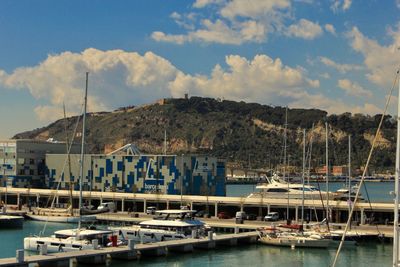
368,254
377,191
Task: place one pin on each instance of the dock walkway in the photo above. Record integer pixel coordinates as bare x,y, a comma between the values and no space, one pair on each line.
131,251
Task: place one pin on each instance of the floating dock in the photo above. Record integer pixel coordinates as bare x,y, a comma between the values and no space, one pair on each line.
130,252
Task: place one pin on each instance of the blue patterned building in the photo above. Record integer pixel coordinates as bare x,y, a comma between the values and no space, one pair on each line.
167,174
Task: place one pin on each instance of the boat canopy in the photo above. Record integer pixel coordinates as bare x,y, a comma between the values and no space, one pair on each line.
178,212
172,223
82,232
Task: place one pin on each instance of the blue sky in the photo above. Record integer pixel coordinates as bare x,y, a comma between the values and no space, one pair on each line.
336,55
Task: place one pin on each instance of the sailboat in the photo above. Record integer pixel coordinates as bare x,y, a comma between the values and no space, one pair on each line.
294,239
348,192
60,215
277,188
72,239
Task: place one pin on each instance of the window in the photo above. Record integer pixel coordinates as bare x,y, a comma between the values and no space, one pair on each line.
31,161
9,149
31,172
9,161
277,190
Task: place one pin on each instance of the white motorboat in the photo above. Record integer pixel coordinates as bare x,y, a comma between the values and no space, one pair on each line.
69,240
346,194
167,225
278,189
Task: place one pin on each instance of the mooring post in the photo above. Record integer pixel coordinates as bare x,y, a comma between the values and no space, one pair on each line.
210,235
43,249
95,243
194,233
20,256
236,230
131,244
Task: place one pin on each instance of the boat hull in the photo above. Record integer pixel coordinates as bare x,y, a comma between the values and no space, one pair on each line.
10,222
308,196
55,244
296,242
61,218
138,235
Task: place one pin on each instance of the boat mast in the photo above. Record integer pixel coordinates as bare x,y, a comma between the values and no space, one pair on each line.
309,164
165,141
327,173
284,164
69,162
303,176
349,181
397,193
82,151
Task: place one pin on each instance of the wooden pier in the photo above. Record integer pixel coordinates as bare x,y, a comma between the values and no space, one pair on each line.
132,251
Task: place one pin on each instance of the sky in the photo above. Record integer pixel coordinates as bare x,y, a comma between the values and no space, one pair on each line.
336,55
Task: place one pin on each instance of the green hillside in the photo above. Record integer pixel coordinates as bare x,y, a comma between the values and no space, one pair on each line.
236,131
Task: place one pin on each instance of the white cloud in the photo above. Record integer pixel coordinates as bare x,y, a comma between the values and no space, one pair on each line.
346,4
252,8
119,78
325,75
353,89
231,22
341,5
381,61
262,79
305,29
218,32
204,3
116,78
330,28
343,68
170,38
367,108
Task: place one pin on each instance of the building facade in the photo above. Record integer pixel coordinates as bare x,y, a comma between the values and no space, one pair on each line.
22,162
165,174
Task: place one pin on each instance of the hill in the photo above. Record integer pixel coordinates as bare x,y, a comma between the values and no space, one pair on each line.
242,133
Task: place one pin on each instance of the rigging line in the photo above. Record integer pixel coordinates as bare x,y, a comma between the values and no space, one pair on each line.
366,168
309,170
65,163
370,207
62,172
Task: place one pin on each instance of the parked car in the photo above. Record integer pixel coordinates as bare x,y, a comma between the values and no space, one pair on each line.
200,213
251,217
151,210
107,207
223,215
272,216
241,215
